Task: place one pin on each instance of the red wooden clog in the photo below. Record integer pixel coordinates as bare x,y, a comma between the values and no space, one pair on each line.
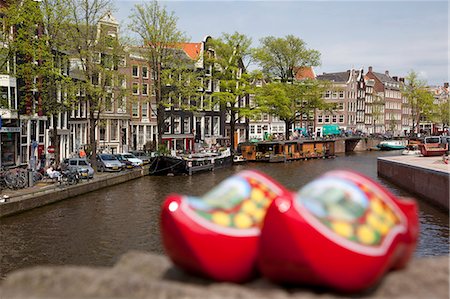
341,231
217,236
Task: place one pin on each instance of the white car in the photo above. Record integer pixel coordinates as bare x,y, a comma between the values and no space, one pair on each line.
132,158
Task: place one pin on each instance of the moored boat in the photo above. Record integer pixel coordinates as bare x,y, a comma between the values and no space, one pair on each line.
434,146
391,145
190,164
411,150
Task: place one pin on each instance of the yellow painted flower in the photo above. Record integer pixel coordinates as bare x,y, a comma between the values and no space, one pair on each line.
380,224
221,218
242,220
257,195
249,206
343,229
366,234
376,206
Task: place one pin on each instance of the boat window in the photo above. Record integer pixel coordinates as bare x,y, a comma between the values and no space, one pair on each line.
82,162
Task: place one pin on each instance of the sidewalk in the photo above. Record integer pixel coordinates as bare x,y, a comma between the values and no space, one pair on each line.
43,194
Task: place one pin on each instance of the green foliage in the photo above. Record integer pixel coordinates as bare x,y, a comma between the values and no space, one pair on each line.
419,98
227,57
279,57
289,101
160,41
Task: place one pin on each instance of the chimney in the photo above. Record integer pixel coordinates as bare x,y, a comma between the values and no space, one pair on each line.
370,69
395,78
446,85
386,73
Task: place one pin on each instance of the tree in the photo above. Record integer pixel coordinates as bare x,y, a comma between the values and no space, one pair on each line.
159,39
57,85
289,101
99,53
230,52
443,113
419,99
377,111
38,44
279,57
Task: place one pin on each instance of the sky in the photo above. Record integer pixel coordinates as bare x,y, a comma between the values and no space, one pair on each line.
398,36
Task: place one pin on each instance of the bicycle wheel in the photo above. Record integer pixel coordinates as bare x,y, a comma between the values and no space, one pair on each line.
10,180
37,176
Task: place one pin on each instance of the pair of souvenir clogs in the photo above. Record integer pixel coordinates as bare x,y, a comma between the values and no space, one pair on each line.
341,231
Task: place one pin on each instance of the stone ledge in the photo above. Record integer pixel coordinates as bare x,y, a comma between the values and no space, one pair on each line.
145,275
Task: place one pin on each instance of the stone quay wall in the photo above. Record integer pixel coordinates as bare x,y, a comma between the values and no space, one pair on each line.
425,176
51,194
144,275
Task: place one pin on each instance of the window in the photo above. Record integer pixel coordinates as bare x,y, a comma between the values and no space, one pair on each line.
265,117
144,89
327,118
341,118
334,118
145,72
145,110
167,125
187,125
319,119
177,125
341,94
340,106
148,133
216,125
113,131
135,110
108,102
135,71
102,132
327,94
258,129
207,125
135,88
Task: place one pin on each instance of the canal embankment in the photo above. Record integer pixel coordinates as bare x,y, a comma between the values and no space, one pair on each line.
146,275
30,198
429,177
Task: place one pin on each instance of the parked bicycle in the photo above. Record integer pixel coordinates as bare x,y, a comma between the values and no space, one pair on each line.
70,177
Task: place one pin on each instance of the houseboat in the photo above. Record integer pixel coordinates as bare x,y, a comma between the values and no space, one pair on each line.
282,151
188,164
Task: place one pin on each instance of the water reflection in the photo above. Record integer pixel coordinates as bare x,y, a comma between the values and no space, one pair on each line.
96,228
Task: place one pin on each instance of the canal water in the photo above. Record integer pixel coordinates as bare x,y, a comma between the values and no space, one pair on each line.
97,228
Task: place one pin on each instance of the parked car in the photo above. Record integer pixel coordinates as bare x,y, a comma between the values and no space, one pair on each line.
108,162
81,165
142,155
132,158
125,163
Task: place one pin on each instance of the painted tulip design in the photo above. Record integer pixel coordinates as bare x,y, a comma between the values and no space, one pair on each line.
341,231
217,235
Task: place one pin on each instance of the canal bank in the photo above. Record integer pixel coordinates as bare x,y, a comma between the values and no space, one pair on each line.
30,198
145,275
428,177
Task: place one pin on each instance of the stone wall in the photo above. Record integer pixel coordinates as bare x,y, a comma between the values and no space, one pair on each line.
145,275
430,184
31,200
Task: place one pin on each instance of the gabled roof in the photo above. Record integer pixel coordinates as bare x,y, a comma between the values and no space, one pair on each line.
384,78
341,77
304,72
192,49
